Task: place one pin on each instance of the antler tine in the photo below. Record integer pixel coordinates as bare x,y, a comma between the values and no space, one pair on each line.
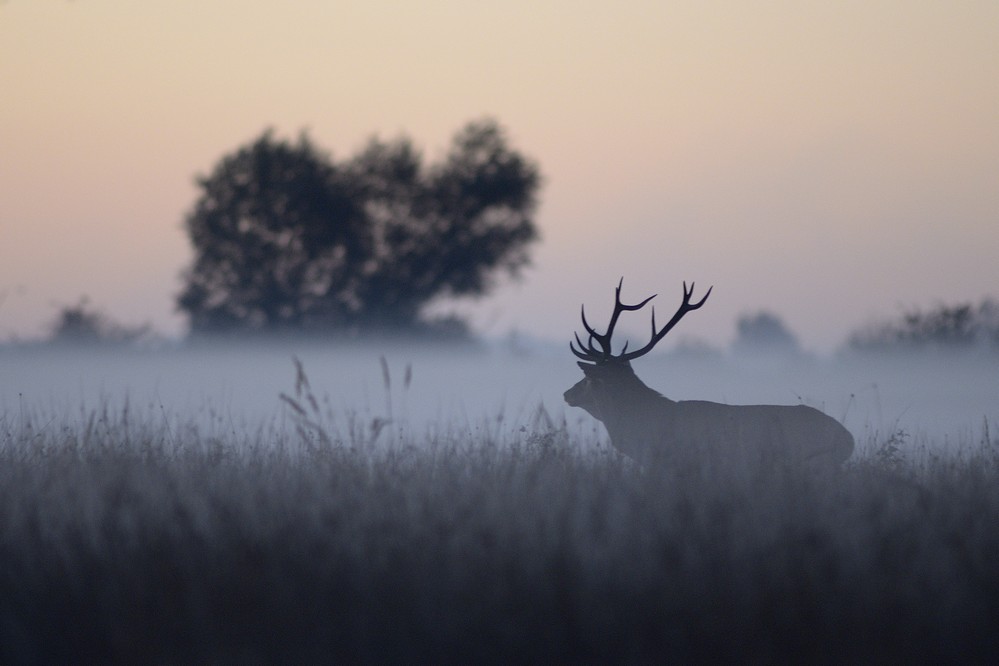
590,352
604,350
586,324
585,352
688,294
578,353
620,307
685,307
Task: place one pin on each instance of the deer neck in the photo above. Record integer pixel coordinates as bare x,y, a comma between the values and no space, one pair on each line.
627,411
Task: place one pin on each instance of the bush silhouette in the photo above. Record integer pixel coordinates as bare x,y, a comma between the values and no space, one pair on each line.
960,326
81,324
764,332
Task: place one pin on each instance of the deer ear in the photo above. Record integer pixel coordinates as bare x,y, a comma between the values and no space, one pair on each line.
585,367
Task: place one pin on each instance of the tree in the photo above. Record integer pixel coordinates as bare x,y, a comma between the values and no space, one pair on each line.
764,332
287,239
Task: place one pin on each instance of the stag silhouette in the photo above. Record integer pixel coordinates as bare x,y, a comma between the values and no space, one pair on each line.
696,435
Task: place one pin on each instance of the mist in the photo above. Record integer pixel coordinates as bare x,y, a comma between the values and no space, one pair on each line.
418,389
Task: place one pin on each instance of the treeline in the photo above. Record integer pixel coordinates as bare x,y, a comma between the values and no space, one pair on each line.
960,326
943,327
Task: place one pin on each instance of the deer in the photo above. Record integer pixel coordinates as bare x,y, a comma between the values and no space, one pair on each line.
694,436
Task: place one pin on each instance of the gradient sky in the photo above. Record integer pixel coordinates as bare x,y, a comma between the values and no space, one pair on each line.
830,161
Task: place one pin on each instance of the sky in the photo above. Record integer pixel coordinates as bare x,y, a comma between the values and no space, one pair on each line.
833,162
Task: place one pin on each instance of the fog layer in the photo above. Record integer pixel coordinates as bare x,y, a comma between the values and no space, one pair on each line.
236,387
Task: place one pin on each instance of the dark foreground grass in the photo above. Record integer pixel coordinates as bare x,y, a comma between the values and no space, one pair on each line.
141,544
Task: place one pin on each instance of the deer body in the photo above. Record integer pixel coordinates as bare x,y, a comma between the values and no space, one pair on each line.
654,430
696,434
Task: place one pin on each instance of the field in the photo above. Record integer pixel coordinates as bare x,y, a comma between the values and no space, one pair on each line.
131,533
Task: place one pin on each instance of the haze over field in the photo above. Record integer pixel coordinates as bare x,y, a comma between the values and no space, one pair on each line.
827,161
235,389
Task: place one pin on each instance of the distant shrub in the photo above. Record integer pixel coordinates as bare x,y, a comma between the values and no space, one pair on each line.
81,324
764,332
961,326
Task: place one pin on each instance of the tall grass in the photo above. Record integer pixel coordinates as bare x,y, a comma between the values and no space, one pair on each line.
126,539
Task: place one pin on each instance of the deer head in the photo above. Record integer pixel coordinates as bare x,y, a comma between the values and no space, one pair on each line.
609,380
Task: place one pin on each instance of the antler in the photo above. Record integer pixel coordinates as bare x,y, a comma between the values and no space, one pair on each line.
588,352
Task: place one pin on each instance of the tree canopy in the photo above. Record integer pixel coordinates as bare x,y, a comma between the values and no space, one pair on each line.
287,239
